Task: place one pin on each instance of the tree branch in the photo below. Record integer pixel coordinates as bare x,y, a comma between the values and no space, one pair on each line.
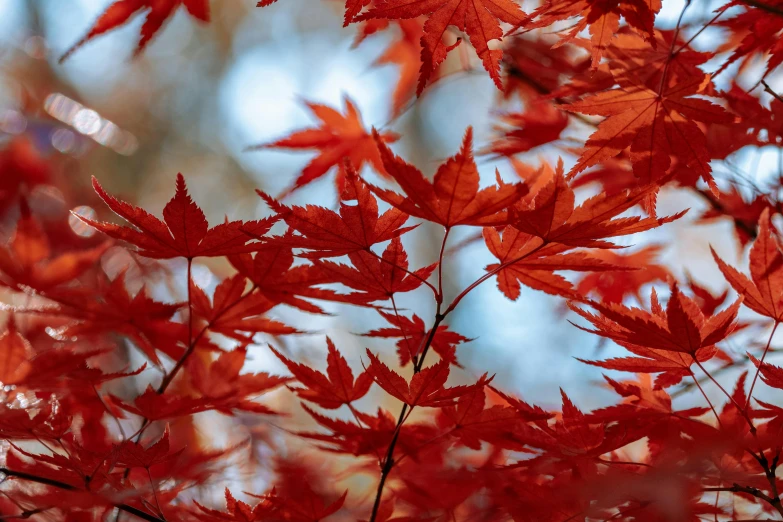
736,488
68,487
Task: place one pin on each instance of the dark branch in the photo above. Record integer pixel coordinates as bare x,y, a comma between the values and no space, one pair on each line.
68,487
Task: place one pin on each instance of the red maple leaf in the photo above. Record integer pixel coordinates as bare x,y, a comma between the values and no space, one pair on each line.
636,270
223,388
377,278
332,390
523,261
272,273
403,52
184,231
327,234
540,123
15,352
133,454
667,340
453,198
231,312
27,260
413,334
112,308
479,19
425,388
470,422
655,124
549,213
121,11
771,375
764,294
338,138
755,31
603,18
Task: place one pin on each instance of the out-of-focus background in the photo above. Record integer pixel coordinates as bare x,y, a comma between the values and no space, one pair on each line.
202,93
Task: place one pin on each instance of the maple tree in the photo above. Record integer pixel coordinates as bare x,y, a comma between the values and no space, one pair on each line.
638,109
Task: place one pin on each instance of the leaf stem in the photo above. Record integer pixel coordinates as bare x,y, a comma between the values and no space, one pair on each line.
761,362
739,408
412,274
698,385
665,72
488,275
440,264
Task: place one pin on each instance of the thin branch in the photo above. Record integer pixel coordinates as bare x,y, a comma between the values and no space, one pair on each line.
412,274
68,487
740,409
767,88
717,417
736,488
761,362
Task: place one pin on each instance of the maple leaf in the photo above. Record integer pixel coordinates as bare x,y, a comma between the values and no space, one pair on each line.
764,293
302,504
332,390
539,124
425,388
549,213
404,52
121,11
133,454
184,231
470,422
377,278
575,436
575,442
535,67
638,269
527,412
370,435
224,389
157,406
27,260
327,234
232,311
113,309
649,409
522,261
23,167
339,137
634,61
755,31
453,198
49,370
708,302
50,421
602,16
771,375
236,510
754,117
655,125
667,340
744,214
479,19
15,351
272,273
413,334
